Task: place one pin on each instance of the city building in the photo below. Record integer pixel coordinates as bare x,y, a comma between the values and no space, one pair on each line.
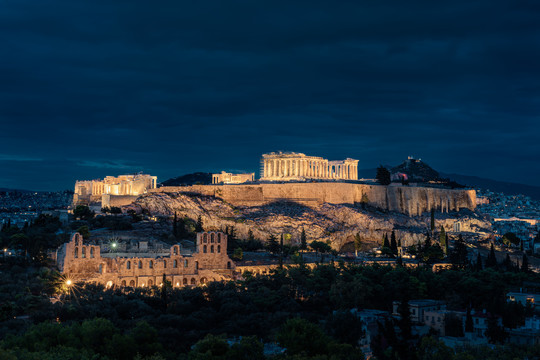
229,178
145,264
418,308
290,166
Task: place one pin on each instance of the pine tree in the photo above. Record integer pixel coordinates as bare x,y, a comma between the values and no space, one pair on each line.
199,227
250,236
303,240
525,263
393,242
383,176
432,220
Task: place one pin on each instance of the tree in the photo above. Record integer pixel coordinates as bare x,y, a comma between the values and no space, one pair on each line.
459,255
494,331
84,231
479,266
272,244
303,240
525,263
383,176
405,322
300,336
432,220
320,247
357,243
469,325
199,225
175,226
510,239
238,254
83,212
393,242
491,261
443,240
250,237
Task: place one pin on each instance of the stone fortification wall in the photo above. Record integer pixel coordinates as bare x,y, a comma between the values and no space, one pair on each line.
117,200
407,200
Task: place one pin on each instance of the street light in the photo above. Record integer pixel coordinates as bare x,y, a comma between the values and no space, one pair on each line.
68,282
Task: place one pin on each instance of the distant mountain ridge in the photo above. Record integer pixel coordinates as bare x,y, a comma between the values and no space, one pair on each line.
509,188
200,178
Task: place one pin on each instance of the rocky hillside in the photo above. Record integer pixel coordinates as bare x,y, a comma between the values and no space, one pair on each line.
337,223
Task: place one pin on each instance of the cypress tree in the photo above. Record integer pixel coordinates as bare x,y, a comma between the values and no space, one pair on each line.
393,243
432,220
525,263
199,226
479,265
250,235
443,240
469,326
386,244
175,226
281,252
303,240
508,263
491,259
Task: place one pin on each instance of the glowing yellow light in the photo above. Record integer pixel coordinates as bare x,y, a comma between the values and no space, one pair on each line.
5,250
113,245
68,282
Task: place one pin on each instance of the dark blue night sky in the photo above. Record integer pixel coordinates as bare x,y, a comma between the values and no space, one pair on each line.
101,87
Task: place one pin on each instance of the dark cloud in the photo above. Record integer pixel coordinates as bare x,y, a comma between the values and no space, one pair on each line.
92,88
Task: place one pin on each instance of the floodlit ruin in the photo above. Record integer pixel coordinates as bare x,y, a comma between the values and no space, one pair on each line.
145,265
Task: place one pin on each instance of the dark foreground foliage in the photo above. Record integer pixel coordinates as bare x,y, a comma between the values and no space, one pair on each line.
304,311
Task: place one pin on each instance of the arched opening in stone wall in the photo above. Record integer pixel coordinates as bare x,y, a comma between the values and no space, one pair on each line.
123,282
203,280
205,238
193,282
151,264
140,264
109,284
132,283
150,283
76,253
205,249
219,238
83,252
184,282
212,238
228,264
196,265
175,250
186,264
91,253
101,268
128,265
175,264
219,249
164,264
212,249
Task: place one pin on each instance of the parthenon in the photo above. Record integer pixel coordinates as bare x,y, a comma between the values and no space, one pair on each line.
282,166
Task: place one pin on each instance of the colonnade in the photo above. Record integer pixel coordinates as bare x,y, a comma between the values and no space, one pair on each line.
276,168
